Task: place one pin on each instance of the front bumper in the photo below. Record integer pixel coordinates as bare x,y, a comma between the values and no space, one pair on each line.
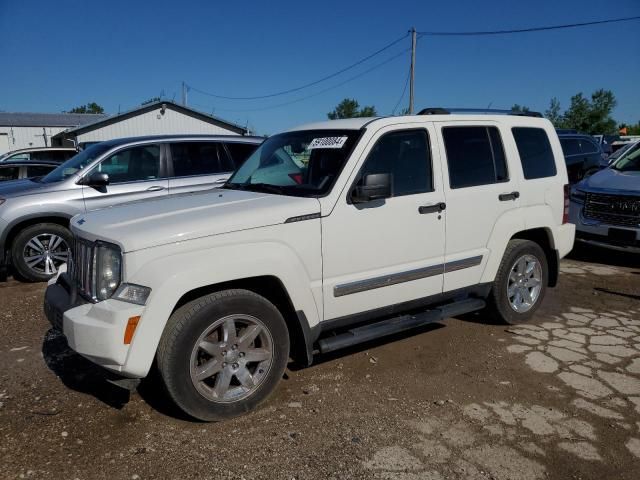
598,233
94,330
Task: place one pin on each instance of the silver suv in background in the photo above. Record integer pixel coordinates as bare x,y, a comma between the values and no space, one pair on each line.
35,213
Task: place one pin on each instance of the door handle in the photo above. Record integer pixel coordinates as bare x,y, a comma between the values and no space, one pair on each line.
435,208
155,188
505,197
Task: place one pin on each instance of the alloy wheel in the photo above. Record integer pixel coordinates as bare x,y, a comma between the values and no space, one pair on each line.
231,358
45,252
524,283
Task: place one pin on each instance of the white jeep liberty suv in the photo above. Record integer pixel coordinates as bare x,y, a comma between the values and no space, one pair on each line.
330,234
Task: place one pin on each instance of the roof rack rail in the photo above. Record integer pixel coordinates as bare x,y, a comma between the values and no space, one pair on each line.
446,111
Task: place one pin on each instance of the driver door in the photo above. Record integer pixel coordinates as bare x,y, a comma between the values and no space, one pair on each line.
135,173
389,251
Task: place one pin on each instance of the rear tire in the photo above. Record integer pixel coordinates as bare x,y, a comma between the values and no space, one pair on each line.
221,355
38,251
520,284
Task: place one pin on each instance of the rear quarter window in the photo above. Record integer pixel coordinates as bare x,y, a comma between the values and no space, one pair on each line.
535,152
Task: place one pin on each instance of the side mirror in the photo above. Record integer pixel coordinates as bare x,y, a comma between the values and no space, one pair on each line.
374,186
96,180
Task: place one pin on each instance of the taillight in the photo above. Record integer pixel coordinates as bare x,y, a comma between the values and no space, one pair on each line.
565,213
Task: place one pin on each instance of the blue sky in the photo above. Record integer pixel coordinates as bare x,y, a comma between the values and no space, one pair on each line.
56,55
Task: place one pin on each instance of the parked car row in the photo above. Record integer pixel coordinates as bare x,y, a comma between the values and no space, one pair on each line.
35,213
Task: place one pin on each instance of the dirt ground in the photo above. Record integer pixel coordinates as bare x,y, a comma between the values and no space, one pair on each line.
557,398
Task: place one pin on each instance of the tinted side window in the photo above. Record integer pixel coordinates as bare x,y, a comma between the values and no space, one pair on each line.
20,156
570,146
41,155
38,170
406,156
9,173
61,155
199,158
588,147
535,152
240,152
475,156
132,165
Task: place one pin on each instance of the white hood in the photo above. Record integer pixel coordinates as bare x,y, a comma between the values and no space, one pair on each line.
178,218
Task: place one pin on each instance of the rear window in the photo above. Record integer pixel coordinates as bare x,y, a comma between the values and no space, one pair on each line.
475,156
535,152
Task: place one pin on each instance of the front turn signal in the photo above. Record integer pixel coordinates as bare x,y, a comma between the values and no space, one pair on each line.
132,324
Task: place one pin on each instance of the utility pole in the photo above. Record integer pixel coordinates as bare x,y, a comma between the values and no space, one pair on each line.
413,69
184,94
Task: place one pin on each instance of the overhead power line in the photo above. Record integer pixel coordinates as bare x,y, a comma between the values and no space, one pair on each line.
404,91
531,29
350,79
307,85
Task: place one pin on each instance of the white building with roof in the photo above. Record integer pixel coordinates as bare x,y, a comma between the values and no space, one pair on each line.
157,118
24,130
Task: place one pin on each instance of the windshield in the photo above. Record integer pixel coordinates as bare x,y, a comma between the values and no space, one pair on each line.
303,163
630,161
75,163
621,151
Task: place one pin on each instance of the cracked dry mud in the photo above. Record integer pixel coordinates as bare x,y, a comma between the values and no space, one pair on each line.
595,354
557,398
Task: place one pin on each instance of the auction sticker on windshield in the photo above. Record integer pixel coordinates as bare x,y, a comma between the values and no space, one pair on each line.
327,142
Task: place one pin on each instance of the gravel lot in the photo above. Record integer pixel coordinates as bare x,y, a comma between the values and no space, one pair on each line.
464,399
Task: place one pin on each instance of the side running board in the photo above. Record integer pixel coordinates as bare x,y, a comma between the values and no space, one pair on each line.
398,324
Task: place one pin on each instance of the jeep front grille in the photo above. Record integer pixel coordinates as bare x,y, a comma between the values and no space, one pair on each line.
619,210
83,266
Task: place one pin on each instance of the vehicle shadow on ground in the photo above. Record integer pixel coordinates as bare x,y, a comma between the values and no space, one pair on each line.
153,393
79,374
592,254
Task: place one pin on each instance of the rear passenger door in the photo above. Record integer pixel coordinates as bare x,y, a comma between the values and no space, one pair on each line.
197,166
479,190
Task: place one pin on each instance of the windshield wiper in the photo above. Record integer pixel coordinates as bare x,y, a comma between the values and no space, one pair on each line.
258,187
232,186
264,187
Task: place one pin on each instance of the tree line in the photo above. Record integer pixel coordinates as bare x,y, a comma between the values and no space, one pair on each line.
591,115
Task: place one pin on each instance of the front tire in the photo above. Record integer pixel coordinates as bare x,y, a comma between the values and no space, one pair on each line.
520,284
221,355
38,251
